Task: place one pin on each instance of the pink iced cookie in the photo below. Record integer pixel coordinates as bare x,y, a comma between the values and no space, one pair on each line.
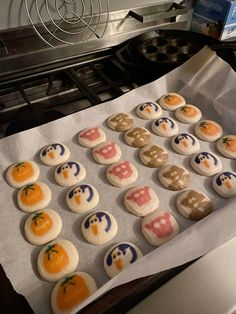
122,173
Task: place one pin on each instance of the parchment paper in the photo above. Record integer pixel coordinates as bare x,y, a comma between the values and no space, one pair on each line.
205,80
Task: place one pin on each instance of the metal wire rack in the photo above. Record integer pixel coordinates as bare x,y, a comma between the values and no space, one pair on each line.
68,22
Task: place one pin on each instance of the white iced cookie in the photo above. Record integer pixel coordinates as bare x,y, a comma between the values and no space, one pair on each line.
227,146
120,122
172,101
33,197
57,259
194,205
119,257
43,226
188,114
185,144
91,137
106,153
224,184
70,173
99,227
141,200
82,198
153,156
174,177
54,154
159,227
22,173
208,130
206,164
137,137
165,126
122,173
149,111
71,291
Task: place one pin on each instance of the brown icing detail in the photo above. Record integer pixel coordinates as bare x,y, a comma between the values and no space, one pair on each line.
172,100
178,176
189,111
156,156
209,128
122,122
230,144
140,137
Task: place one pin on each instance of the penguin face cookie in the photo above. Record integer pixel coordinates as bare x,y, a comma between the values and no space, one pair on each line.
119,257
54,154
172,101
99,228
122,174
174,177
70,173
185,144
82,198
159,227
208,130
137,137
188,114
165,127
206,164
224,184
120,122
149,111
227,146
91,137
106,153
153,156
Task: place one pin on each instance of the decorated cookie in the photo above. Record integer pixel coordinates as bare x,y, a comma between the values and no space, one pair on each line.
227,146
208,130
57,259
224,184
172,101
99,227
165,127
70,173
194,205
120,122
188,114
206,164
149,111
159,227
137,137
91,137
122,173
54,154
119,257
22,173
185,144
43,226
174,177
107,153
82,198
71,291
33,197
141,200
153,156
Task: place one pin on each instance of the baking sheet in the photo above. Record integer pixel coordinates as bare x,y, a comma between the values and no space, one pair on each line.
204,80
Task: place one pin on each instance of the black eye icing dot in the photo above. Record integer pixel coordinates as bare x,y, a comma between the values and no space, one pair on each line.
114,256
91,221
118,253
95,220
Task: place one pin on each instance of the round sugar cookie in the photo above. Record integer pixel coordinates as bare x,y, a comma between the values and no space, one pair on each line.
33,197
57,259
91,137
227,146
185,144
137,137
82,198
22,173
106,153
188,114
71,291
43,226
159,227
208,130
70,173
54,154
153,156
99,227
174,177
172,101
165,127
141,200
120,122
224,184
206,164
122,173
149,111
194,205
119,257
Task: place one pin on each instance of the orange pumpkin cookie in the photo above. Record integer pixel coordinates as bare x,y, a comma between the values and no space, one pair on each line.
172,101
208,130
227,146
71,291
188,114
43,226
22,173
57,259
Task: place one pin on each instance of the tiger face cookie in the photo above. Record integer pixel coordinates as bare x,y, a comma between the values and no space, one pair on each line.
224,184
174,177
227,146
91,137
106,153
206,164
137,137
153,156
165,127
54,154
149,111
122,173
188,114
208,130
70,173
185,144
172,101
120,122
